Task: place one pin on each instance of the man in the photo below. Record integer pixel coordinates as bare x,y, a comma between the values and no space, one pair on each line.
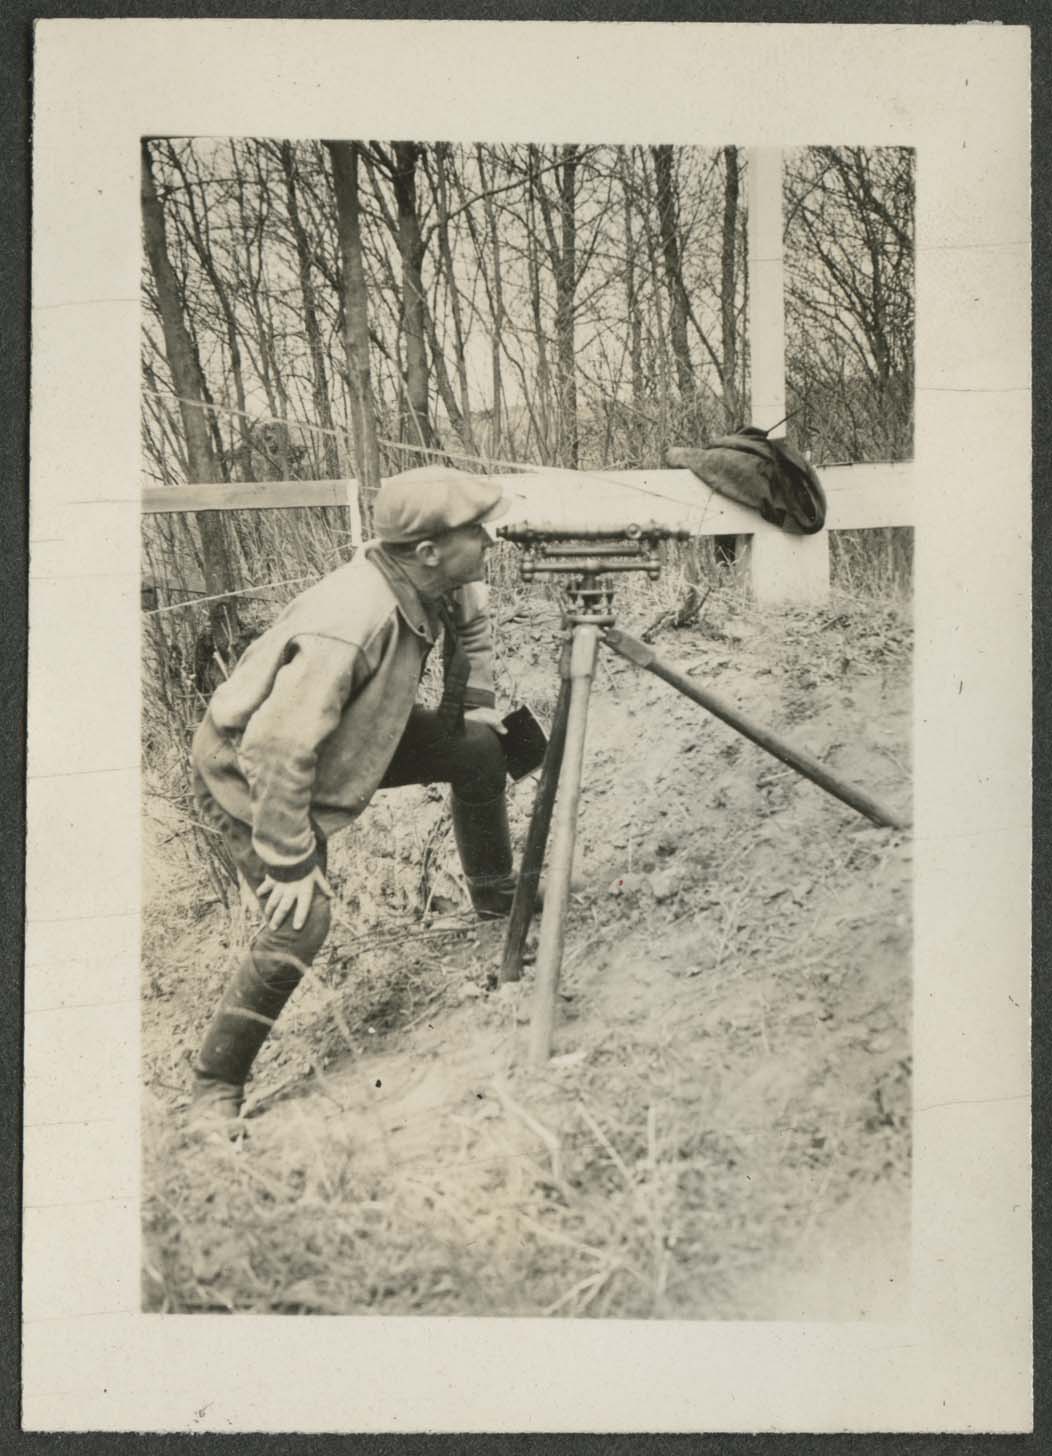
320,712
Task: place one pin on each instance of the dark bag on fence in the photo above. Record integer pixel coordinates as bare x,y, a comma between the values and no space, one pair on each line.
769,476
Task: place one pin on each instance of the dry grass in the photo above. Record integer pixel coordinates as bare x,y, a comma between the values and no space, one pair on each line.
618,1183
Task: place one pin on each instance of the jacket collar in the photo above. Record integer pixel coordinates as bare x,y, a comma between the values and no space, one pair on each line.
418,613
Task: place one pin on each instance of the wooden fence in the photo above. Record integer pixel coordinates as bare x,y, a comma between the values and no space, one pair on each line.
781,567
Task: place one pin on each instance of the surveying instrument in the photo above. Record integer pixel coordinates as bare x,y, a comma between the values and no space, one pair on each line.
590,559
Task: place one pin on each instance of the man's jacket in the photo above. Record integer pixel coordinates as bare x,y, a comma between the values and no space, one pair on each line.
765,474
307,723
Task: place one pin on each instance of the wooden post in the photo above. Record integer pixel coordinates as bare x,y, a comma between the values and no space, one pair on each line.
354,499
537,837
643,656
354,502
782,568
583,652
785,568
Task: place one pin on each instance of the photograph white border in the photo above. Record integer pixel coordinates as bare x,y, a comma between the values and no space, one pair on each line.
960,95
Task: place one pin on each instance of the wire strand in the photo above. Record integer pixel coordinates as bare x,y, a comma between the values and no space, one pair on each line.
245,591
488,462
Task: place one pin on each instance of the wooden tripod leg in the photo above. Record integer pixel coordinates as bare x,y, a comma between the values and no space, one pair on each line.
643,656
584,648
522,906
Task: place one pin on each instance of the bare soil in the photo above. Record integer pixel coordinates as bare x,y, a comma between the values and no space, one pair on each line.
723,1131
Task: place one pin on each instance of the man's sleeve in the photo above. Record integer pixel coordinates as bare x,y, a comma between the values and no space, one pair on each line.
475,632
279,749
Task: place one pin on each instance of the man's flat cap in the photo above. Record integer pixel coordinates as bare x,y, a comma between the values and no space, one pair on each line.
422,503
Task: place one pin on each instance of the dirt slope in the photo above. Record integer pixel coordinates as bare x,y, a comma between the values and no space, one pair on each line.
723,1131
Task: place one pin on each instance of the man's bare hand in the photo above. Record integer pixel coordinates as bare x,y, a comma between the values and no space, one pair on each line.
489,716
295,895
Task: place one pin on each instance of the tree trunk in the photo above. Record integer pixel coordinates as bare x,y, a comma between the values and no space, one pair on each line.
668,222
728,280
190,387
442,158
416,427
327,455
252,289
497,333
536,193
728,548
442,379
662,367
344,157
202,242
565,287
635,323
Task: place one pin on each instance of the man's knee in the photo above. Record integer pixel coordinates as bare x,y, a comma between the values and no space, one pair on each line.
481,767
283,956
316,926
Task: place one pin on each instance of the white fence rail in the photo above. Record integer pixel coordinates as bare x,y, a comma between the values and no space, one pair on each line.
782,567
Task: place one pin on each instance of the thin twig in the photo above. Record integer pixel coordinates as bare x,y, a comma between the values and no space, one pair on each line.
548,1138
591,1282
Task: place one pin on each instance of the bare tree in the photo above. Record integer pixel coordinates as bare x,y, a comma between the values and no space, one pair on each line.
497,306
188,378
571,304
668,224
344,157
328,458
729,289
849,300
562,253
416,424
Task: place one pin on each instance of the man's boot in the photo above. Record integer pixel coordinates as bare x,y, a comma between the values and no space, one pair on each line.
484,844
240,1026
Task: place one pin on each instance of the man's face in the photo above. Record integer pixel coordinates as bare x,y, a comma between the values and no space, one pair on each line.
460,554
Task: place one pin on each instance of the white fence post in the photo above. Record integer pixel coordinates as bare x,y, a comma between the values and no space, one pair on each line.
782,568
354,494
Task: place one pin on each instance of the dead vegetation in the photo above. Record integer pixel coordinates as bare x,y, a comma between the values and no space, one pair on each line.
723,1131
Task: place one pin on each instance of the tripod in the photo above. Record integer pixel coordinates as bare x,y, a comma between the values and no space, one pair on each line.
591,559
